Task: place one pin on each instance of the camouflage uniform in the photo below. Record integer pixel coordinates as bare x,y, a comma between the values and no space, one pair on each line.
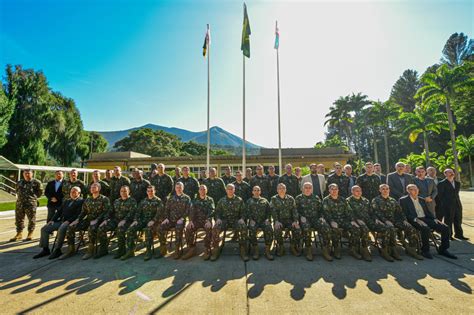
243,190
92,209
115,185
68,184
263,183
215,188
230,211
339,211
191,186
123,210
342,182
104,188
177,207
228,179
273,183
370,185
258,210
310,208
292,184
202,210
284,211
361,211
163,186
28,193
138,189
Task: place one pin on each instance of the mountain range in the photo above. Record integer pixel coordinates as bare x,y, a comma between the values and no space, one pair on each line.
219,136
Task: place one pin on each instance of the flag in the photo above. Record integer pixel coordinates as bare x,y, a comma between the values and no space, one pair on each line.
245,46
207,41
277,36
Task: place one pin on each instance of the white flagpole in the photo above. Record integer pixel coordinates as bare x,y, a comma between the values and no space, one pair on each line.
278,91
208,158
243,133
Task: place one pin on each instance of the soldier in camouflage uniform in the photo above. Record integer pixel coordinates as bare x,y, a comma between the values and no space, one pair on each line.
285,216
28,191
163,183
369,182
227,178
200,217
138,186
259,217
361,213
388,210
108,177
191,185
177,174
338,213
340,179
71,182
147,215
248,175
152,172
242,189
299,177
116,184
177,210
202,176
117,220
104,186
291,181
230,214
310,212
273,180
215,185
261,181
94,209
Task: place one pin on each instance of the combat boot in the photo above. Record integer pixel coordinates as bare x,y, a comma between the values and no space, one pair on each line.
190,253
71,250
309,253
215,253
207,254
90,251
294,250
325,253
256,254
101,251
29,237
412,252
17,237
120,251
364,251
354,253
394,253
268,252
243,253
130,253
385,255
337,251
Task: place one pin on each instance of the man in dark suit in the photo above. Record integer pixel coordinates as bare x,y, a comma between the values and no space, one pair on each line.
54,193
378,171
422,219
450,206
67,213
398,181
352,178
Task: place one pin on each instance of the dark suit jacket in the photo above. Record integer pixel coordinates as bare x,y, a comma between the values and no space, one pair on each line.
50,192
69,210
448,196
383,178
409,208
396,188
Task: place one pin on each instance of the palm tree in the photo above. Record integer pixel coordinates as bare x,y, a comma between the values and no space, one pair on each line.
465,147
442,86
339,118
425,118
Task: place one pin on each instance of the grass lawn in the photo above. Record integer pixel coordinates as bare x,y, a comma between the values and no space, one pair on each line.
11,205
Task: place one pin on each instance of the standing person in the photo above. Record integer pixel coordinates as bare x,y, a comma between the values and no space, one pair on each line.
398,181
291,181
215,185
426,188
242,189
450,207
163,183
108,177
177,174
340,179
202,176
71,182
317,180
104,186
28,191
408,171
261,180
153,171
431,173
322,170
298,175
369,182
138,186
273,180
191,185
248,175
228,178
54,193
378,171
116,184
348,173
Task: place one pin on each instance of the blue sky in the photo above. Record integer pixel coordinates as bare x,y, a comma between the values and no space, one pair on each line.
128,63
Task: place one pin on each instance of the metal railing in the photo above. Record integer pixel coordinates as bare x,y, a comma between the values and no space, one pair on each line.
6,184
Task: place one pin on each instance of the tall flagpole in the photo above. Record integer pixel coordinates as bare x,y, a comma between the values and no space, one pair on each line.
278,91
208,158
243,133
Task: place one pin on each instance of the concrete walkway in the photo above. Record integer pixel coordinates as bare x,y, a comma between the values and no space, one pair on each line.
286,285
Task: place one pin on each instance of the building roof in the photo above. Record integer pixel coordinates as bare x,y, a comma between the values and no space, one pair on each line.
6,164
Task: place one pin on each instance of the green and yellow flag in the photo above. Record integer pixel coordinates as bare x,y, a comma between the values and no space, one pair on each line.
207,41
245,46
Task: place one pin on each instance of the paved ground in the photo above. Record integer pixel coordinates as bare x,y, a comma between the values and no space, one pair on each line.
286,285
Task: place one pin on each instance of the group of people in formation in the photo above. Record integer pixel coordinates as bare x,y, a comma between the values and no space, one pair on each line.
315,209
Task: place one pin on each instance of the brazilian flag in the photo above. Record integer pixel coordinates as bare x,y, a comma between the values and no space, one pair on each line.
245,46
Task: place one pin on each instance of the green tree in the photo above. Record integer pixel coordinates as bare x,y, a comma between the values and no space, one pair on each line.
465,147
404,90
457,49
6,111
155,143
335,141
424,119
91,142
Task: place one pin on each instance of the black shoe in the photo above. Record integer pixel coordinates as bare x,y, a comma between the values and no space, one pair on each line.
56,253
448,254
44,252
462,238
427,255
